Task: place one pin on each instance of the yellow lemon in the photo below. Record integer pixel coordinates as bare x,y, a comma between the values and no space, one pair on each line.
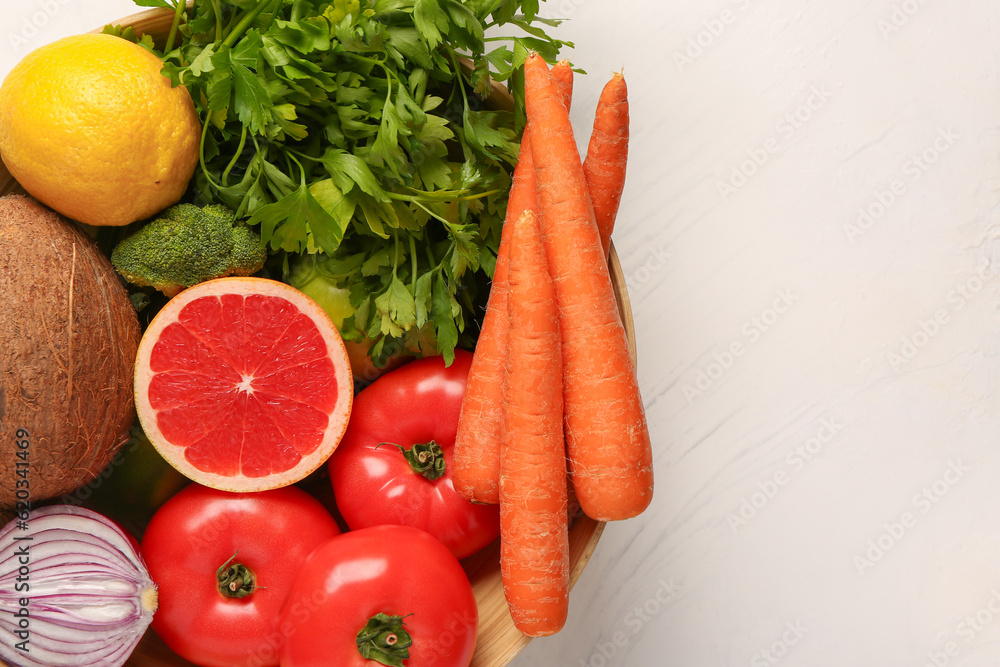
90,127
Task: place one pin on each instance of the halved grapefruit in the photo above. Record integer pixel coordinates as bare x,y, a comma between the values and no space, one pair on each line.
243,384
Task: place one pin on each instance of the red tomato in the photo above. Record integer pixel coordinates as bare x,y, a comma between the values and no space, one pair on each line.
197,532
400,572
374,483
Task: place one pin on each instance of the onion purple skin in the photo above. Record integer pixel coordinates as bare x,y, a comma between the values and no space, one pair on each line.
89,595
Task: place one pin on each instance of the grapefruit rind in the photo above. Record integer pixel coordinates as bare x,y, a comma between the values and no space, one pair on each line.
338,416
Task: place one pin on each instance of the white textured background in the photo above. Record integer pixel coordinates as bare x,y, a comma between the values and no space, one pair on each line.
810,238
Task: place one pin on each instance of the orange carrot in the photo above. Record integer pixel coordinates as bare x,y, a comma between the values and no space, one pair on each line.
476,467
534,535
606,433
562,71
607,154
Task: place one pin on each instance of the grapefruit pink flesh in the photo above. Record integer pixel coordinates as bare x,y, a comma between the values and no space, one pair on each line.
243,388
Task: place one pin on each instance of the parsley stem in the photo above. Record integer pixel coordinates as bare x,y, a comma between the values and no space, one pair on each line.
274,12
201,155
178,13
459,77
479,195
248,20
492,8
395,252
389,76
373,61
236,155
439,195
398,196
218,19
430,256
229,24
413,263
460,82
428,211
302,170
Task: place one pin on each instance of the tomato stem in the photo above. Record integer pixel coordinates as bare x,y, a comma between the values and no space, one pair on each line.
384,640
426,459
235,580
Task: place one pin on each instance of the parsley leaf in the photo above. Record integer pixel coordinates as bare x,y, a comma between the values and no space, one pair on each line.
397,308
356,135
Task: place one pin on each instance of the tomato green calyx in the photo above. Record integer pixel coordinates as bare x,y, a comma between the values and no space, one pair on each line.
384,640
235,580
426,459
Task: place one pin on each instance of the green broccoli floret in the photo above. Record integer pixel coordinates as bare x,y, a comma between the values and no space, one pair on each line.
186,245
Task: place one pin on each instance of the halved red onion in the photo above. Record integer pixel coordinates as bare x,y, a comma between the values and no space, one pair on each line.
74,588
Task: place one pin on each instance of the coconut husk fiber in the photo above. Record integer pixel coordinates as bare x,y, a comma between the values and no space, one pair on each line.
68,339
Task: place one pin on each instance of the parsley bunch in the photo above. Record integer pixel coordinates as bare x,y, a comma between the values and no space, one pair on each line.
354,134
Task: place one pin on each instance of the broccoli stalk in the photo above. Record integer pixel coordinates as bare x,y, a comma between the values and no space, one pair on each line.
186,245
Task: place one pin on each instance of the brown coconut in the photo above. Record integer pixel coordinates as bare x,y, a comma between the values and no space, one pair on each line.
68,338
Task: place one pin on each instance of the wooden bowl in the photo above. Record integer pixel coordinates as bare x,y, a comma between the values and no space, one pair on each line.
499,641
